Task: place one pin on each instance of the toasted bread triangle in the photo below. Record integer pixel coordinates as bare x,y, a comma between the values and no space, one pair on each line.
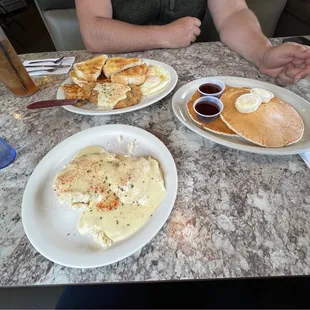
118,64
76,80
90,70
135,75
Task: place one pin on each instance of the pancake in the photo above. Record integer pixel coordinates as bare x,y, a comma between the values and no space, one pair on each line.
273,124
217,126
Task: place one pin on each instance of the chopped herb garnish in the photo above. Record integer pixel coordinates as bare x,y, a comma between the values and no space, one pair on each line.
128,224
132,186
100,217
116,222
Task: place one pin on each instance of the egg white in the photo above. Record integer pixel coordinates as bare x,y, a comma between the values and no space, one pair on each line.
157,79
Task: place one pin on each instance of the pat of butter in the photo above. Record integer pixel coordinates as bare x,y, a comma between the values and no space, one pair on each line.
265,94
248,103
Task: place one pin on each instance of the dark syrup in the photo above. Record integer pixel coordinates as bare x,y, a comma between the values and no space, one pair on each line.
210,88
207,108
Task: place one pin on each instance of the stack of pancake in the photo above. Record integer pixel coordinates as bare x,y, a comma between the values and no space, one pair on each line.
273,124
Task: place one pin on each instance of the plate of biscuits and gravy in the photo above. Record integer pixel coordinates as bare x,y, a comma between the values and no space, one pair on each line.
99,196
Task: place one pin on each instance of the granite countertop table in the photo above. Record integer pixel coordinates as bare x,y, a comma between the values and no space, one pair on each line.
237,214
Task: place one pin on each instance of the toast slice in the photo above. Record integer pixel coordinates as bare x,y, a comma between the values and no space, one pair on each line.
135,76
118,64
91,69
76,80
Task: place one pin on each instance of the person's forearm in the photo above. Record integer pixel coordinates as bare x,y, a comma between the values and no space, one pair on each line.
242,33
105,35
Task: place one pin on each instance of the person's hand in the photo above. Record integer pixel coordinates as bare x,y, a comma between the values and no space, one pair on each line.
288,63
181,33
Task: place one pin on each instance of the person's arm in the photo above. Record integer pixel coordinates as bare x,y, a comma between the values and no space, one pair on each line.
239,29
103,34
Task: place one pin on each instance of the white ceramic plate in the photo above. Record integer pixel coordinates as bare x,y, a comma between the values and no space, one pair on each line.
183,95
51,227
145,101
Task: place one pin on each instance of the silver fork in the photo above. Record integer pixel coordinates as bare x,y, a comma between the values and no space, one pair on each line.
56,62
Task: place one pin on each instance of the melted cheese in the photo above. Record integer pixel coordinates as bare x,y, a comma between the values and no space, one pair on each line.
109,94
117,193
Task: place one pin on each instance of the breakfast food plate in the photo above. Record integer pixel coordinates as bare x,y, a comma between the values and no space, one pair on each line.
145,101
185,93
52,228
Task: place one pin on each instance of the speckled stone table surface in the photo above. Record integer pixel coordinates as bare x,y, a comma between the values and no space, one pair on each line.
236,215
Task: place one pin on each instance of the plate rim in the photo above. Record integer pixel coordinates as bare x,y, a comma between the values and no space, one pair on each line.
165,92
26,225
216,137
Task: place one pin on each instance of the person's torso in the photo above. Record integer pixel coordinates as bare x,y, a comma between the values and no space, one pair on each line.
157,12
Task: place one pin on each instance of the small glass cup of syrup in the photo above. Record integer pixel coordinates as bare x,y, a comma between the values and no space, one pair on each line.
208,108
213,88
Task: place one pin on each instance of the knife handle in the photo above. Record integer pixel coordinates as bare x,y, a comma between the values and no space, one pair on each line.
50,103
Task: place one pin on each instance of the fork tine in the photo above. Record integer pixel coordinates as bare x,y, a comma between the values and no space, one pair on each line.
59,60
